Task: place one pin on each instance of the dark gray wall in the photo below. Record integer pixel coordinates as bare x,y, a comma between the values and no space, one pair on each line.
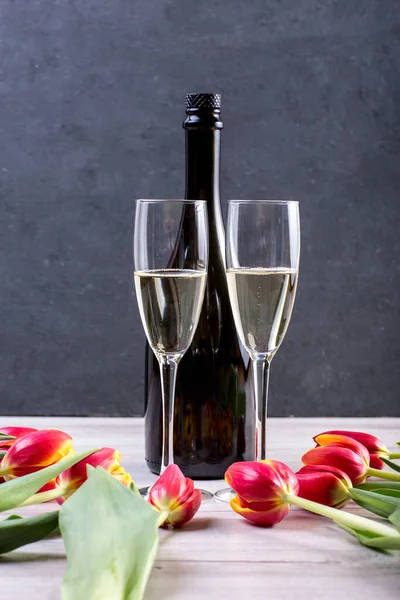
91,107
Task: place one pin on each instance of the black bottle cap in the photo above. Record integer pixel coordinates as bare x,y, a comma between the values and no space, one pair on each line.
203,101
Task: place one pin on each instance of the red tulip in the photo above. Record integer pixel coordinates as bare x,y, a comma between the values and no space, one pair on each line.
261,489
176,495
343,441
16,432
35,451
374,445
346,454
72,479
354,462
265,490
326,485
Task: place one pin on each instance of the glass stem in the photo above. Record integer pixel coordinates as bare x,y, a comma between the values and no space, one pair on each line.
261,382
168,370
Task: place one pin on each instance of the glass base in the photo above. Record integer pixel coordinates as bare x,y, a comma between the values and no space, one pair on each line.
225,495
144,491
205,495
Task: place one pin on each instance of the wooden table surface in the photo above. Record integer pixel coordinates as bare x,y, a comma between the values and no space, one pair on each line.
219,554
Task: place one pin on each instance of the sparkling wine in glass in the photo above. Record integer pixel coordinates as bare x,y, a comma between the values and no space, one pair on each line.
170,257
262,264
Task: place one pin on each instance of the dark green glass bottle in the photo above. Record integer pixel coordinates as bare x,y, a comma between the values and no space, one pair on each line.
214,412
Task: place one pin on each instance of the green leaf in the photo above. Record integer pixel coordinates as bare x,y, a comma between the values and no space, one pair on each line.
376,485
388,492
15,492
395,518
17,531
3,453
381,505
373,540
111,539
381,543
133,487
4,437
357,531
390,464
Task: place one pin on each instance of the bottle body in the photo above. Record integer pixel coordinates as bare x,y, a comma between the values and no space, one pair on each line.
214,412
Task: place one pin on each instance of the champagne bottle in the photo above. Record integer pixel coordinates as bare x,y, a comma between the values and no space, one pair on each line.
214,413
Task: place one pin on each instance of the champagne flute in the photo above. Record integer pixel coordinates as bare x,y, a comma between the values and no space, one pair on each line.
170,260
262,264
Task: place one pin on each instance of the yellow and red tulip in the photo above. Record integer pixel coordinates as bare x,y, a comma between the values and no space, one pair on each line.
261,489
70,480
345,454
374,445
175,495
326,485
266,490
35,451
15,432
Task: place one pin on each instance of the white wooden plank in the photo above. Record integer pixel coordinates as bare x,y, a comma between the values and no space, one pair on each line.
272,580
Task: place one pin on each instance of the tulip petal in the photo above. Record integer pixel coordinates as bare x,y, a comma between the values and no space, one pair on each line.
261,481
171,489
175,494
186,511
345,459
343,441
16,432
35,451
122,476
375,462
51,485
372,443
107,458
325,485
266,518
326,469
74,477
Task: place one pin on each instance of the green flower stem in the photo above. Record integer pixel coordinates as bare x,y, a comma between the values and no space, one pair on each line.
377,473
342,517
394,455
44,497
378,485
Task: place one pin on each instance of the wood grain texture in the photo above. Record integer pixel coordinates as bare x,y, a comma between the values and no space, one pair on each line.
219,555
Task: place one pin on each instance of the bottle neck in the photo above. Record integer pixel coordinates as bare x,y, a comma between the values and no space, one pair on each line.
203,142
203,164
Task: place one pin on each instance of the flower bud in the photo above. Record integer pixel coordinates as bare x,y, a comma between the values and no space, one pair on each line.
261,489
374,445
346,455
35,451
175,494
326,485
107,458
16,432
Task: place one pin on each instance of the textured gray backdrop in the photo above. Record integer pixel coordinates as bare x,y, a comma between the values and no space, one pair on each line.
91,107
